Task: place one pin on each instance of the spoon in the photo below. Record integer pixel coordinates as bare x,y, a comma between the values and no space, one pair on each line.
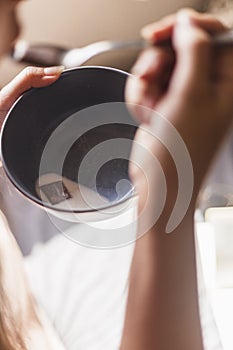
49,55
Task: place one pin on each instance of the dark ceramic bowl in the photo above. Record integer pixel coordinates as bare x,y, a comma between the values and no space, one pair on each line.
79,124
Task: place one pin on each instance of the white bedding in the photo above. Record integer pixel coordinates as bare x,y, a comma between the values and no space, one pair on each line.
83,291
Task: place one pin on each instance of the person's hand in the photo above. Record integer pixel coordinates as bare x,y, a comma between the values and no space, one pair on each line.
28,78
192,88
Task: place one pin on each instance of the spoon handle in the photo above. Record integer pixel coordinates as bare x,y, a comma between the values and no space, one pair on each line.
219,40
37,54
77,57
47,55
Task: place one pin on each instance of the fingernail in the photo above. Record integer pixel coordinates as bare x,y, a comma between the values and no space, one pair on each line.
146,33
53,70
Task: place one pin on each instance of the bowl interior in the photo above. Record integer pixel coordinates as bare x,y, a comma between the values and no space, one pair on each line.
40,112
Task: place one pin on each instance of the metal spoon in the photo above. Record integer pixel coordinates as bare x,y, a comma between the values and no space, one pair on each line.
48,55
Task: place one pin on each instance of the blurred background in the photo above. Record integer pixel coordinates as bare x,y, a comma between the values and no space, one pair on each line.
75,23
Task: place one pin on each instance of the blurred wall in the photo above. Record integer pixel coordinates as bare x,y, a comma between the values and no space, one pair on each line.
73,23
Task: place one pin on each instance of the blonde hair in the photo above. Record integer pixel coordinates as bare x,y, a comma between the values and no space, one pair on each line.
11,336
18,314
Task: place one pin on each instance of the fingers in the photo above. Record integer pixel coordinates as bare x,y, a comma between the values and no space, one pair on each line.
152,63
28,78
193,56
189,31
206,22
159,31
162,30
151,76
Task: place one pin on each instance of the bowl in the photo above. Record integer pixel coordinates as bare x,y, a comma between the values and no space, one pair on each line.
66,147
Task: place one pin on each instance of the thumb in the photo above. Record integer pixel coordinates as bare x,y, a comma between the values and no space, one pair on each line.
28,78
193,53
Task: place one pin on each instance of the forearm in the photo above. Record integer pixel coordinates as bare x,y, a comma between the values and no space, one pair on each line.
162,311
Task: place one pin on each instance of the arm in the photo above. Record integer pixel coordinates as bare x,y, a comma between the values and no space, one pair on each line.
162,310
